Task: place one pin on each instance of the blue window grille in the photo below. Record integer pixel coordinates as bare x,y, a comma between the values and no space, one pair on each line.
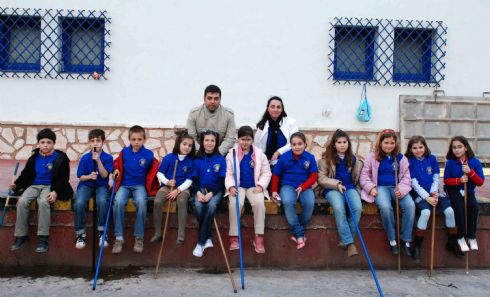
402,52
20,43
82,45
354,53
412,55
54,43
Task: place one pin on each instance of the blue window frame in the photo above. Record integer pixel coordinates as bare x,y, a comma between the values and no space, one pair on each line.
412,55
82,45
354,53
20,43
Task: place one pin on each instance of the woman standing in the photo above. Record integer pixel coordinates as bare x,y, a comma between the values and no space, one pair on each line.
274,130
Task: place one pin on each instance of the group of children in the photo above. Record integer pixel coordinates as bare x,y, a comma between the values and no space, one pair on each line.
206,177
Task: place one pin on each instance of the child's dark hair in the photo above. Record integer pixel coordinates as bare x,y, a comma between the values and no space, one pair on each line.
387,133
299,135
413,140
331,157
96,133
469,151
245,131
46,133
136,129
181,135
212,89
202,151
266,116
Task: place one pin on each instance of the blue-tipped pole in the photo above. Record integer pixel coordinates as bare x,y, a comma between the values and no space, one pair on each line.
366,254
242,272
105,234
8,195
94,218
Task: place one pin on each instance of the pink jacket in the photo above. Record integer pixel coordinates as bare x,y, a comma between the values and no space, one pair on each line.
262,170
369,177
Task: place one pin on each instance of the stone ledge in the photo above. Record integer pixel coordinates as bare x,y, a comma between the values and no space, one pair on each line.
321,206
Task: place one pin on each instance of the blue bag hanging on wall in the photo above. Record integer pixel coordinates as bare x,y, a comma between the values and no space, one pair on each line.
364,109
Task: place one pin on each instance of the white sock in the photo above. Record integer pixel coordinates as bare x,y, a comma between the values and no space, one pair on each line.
119,238
407,244
393,242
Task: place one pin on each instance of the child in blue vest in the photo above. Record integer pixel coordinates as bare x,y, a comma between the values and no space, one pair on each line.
136,170
339,177
208,179
94,180
175,188
296,172
424,171
45,178
462,167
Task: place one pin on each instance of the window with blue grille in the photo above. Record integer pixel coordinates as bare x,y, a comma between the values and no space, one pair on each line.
20,43
354,53
387,52
412,54
82,45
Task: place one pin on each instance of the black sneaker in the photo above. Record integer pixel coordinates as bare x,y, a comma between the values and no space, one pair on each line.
406,249
81,241
106,242
42,246
18,243
394,249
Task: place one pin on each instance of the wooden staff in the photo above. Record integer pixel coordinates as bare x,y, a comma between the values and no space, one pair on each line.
397,219
166,222
432,240
224,253
224,256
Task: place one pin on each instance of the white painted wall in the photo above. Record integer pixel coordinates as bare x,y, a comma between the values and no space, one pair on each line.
164,52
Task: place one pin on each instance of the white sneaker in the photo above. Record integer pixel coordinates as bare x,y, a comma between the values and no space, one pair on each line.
106,243
462,245
81,241
208,244
473,244
198,250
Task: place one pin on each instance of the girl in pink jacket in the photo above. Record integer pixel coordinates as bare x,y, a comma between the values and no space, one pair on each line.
253,175
378,185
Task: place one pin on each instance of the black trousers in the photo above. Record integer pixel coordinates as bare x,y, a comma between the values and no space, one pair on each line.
457,202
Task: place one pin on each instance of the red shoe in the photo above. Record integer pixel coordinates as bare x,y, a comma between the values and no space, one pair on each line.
259,244
234,244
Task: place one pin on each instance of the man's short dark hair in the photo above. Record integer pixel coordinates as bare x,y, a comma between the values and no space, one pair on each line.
96,133
212,89
46,133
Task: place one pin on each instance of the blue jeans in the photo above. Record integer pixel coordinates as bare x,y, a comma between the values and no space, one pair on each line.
80,206
384,200
204,214
345,225
307,201
139,199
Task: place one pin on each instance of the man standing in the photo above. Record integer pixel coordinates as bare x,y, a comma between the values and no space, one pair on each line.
212,116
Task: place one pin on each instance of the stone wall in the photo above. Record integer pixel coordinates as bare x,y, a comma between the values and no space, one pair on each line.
18,140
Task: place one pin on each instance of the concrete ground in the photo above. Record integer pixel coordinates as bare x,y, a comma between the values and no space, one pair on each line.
263,282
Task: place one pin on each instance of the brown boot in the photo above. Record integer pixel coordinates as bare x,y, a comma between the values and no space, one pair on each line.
351,250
